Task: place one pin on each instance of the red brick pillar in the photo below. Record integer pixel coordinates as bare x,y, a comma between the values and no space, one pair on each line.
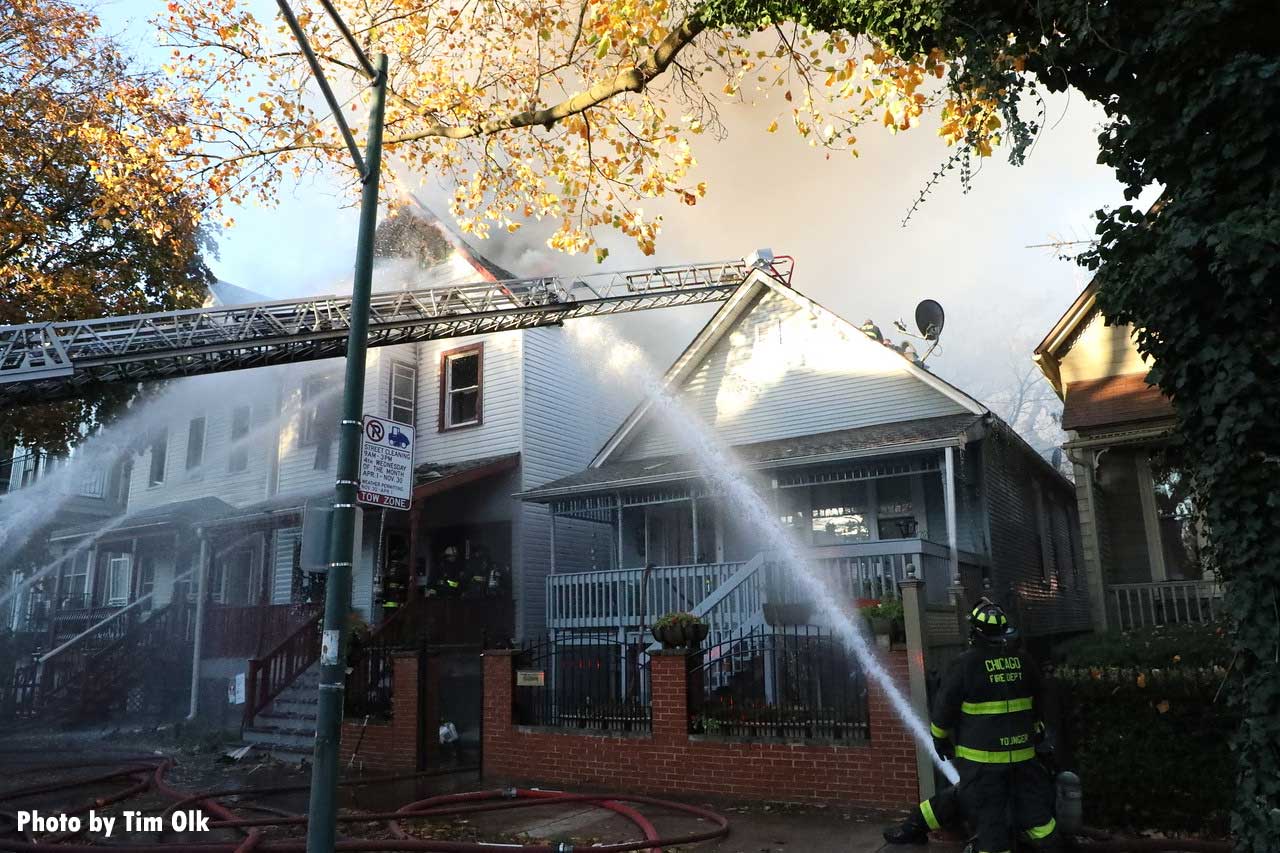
890,739
404,710
669,686
498,683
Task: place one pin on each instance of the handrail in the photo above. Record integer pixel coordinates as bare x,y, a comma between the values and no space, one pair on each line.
116,615
280,666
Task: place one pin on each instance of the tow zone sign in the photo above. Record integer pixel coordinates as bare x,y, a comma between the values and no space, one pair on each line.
386,464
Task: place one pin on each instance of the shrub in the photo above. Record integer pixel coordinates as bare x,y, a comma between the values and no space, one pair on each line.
1171,646
1151,745
889,608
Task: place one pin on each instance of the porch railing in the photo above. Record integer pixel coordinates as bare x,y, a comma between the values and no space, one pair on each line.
243,632
276,670
612,599
1148,605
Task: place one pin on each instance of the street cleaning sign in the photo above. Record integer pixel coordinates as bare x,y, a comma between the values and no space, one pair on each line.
386,464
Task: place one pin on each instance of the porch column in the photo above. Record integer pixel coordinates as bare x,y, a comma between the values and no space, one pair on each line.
912,592
618,498
1091,521
949,498
693,511
197,645
553,538
416,590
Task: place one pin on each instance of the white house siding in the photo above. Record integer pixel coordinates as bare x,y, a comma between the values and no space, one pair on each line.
570,410
785,371
499,431
212,397
297,473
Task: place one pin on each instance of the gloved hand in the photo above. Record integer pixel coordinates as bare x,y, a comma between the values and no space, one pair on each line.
944,749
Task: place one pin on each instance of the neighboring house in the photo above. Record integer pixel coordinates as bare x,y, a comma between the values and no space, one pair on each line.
876,463
1138,522
234,473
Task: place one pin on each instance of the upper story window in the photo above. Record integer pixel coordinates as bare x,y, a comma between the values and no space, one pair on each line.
238,460
195,443
159,449
461,380
320,407
75,580
404,392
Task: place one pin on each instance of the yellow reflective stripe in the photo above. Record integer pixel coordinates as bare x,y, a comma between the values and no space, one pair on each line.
998,707
929,818
983,756
938,732
1043,831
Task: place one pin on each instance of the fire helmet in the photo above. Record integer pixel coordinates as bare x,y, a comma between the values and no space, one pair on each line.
988,620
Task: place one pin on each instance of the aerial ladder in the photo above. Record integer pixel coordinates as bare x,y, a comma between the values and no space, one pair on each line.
53,361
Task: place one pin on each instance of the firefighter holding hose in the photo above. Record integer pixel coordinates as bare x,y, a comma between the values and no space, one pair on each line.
988,716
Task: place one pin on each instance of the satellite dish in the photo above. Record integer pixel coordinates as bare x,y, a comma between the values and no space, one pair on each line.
929,319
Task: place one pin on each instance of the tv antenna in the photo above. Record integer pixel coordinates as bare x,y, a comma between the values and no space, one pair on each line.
929,320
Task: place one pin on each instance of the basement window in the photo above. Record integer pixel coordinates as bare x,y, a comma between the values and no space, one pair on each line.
461,378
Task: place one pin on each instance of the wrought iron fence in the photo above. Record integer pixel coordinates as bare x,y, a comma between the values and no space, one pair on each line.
795,682
584,681
371,680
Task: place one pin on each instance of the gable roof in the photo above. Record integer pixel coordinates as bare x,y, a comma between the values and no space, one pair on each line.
730,314
1049,352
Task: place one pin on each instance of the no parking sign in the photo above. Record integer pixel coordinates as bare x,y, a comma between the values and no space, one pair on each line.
386,464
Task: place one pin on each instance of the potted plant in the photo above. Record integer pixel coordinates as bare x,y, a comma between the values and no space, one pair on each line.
787,614
679,630
886,617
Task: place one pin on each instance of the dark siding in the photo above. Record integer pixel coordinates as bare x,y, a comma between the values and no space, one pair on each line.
1013,473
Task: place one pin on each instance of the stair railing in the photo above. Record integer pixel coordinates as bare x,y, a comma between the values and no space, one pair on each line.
266,676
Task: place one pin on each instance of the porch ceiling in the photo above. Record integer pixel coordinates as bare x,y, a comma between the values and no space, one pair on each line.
848,444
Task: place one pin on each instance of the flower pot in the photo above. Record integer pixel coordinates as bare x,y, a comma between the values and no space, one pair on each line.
671,636
787,614
694,634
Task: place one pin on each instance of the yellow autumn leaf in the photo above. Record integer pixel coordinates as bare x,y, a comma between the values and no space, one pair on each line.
1163,706
773,126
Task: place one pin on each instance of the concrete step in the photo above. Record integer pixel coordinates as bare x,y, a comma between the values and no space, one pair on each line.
267,736
287,705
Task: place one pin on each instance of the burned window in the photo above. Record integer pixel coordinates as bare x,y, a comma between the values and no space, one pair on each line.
195,443
159,449
460,387
241,418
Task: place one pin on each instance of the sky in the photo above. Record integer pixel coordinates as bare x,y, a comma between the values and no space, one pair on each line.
840,218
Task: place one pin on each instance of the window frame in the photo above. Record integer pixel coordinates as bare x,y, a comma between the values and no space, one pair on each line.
204,442
391,393
446,357
158,439
307,436
112,598
238,457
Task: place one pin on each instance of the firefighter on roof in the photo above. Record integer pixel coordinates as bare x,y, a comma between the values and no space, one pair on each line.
988,717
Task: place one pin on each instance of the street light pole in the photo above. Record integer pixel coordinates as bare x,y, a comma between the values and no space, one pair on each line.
322,826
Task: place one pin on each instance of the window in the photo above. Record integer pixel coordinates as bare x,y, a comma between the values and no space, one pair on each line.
404,396
320,410
75,581
1043,540
320,406
195,443
1177,518
159,446
93,484
240,420
119,577
839,514
461,375
146,576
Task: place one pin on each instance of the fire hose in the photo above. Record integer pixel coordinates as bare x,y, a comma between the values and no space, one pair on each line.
146,775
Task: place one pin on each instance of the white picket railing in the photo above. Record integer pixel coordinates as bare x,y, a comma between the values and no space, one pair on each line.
730,595
1144,605
611,599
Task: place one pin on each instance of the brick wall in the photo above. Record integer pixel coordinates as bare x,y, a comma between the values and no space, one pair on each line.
392,746
881,773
